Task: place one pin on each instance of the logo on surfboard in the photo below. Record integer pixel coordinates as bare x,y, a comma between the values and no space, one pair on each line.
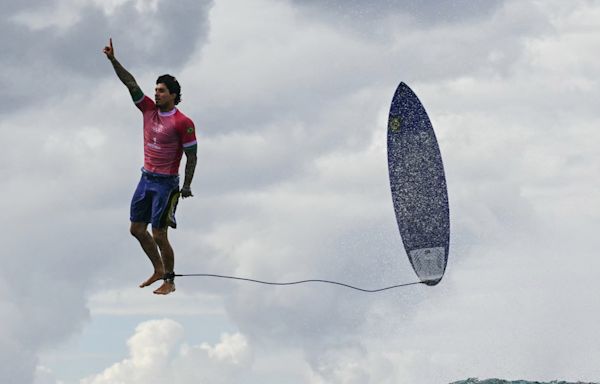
394,124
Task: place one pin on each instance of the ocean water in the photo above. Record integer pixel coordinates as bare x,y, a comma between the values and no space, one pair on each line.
500,381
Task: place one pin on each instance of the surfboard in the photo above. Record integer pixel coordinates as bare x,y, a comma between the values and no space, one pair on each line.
418,186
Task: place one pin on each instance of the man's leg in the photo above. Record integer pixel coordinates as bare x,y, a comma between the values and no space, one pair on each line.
168,259
138,230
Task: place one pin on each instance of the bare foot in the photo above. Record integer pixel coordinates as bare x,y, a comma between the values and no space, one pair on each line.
166,288
153,279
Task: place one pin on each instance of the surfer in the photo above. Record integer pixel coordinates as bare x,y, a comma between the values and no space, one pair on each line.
168,133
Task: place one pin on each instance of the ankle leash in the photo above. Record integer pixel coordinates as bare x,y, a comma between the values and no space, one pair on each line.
169,277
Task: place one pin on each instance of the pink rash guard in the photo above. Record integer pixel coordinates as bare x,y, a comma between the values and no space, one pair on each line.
166,135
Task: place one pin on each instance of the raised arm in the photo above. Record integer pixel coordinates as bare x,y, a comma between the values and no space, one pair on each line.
125,77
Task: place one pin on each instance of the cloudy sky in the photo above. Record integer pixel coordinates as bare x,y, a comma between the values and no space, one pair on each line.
290,99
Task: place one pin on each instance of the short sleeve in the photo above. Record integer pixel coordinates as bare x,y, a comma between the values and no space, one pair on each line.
188,134
144,103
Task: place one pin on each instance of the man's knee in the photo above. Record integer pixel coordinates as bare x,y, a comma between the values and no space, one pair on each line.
138,230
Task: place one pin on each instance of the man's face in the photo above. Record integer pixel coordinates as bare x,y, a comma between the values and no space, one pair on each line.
162,97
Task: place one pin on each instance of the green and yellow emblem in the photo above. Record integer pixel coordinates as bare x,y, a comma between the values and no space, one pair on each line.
190,130
394,124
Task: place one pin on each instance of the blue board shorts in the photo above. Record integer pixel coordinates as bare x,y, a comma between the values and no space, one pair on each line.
155,200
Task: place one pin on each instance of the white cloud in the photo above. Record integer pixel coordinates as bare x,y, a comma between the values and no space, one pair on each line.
157,354
62,15
44,375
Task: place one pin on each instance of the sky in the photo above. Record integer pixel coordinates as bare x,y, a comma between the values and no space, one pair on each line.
290,100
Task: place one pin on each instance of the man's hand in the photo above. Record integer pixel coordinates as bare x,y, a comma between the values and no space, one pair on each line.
186,192
109,51
125,77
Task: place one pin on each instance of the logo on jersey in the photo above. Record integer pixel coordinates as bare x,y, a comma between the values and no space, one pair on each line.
190,130
154,144
158,127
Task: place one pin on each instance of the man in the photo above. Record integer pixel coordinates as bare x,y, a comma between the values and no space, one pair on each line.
168,134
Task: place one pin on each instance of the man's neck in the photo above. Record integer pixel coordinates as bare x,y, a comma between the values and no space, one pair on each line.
167,108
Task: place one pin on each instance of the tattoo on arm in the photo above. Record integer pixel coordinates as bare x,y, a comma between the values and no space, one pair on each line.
125,77
190,167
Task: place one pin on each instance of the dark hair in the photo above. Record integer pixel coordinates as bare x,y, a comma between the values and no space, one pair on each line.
172,85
